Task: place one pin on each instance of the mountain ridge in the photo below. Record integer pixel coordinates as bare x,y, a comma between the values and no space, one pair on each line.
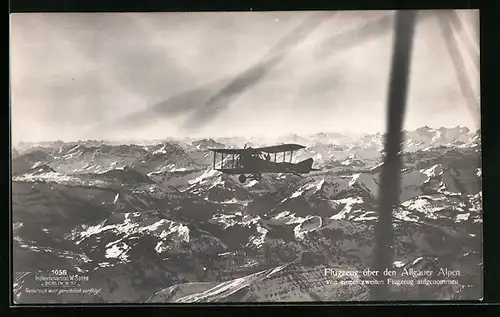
155,222
23,145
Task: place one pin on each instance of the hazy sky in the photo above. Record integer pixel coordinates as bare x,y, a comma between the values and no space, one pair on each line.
154,75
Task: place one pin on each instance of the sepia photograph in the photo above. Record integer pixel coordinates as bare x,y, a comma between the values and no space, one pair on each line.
245,157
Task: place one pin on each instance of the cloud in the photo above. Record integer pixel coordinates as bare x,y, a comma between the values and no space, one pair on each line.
112,75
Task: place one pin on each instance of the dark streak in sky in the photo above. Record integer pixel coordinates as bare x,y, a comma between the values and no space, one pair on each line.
141,75
471,100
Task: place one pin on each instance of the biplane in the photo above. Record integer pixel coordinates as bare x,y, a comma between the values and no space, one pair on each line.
255,161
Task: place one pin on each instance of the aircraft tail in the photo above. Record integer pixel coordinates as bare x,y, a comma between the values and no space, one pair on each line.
305,166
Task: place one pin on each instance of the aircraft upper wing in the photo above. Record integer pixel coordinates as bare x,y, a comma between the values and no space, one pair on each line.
233,151
267,149
281,148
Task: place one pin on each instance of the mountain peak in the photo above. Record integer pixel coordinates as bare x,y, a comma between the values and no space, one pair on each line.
207,143
424,129
462,129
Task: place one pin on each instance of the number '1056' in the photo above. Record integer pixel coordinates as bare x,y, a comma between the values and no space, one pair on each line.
59,272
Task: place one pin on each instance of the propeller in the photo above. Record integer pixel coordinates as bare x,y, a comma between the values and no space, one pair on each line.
390,176
391,169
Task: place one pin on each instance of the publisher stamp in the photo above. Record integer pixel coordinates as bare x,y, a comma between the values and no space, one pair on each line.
60,282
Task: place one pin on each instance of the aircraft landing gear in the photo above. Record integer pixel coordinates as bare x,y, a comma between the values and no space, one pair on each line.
242,178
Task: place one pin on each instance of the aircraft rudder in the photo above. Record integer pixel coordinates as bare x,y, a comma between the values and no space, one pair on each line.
305,165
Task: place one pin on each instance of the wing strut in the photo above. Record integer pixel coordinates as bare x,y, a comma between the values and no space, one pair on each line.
390,175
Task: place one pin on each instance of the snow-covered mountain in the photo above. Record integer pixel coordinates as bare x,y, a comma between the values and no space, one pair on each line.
154,222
